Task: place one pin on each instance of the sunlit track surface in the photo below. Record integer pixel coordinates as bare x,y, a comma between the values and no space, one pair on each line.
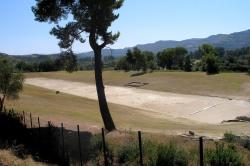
162,104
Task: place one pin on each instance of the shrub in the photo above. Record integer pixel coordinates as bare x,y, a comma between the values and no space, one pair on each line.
96,143
96,150
244,118
246,144
171,155
221,156
153,154
230,137
150,152
128,152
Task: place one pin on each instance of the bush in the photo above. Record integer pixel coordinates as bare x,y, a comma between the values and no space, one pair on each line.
221,156
128,152
243,141
95,151
150,152
230,137
171,155
244,118
153,154
246,144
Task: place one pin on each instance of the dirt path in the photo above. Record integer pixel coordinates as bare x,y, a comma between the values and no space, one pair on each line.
165,105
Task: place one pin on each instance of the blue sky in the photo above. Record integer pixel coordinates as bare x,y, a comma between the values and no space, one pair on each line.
140,21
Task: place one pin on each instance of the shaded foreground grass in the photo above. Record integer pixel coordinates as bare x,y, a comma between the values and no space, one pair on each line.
72,110
7,157
223,84
122,147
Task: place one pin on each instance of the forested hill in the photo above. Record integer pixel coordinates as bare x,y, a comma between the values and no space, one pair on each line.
31,58
227,41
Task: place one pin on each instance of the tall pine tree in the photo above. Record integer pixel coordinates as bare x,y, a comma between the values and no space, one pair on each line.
92,17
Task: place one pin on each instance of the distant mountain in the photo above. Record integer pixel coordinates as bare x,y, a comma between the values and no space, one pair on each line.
228,41
36,57
105,52
31,58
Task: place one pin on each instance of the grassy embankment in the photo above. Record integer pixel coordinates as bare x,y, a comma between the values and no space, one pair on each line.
72,110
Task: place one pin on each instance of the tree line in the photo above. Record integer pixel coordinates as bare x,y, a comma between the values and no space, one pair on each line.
69,63
66,61
207,58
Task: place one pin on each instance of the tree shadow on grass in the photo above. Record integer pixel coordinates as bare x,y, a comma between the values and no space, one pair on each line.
46,144
138,74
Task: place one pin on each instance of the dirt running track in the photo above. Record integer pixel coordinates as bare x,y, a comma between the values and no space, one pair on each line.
164,105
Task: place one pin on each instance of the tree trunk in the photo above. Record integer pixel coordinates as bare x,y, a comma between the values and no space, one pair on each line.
106,116
1,103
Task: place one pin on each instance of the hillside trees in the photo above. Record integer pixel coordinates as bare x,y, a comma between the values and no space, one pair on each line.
44,66
69,60
187,63
11,82
165,58
211,63
92,17
168,57
172,58
137,60
209,59
150,60
179,56
220,51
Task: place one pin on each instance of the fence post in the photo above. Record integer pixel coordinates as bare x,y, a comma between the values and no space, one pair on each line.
24,118
104,148
30,121
63,152
79,144
201,152
39,127
49,132
140,147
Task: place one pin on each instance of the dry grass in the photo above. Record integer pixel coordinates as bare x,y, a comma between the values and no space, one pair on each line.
224,84
189,145
72,110
7,158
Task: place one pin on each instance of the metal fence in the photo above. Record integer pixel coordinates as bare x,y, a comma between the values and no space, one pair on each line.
73,145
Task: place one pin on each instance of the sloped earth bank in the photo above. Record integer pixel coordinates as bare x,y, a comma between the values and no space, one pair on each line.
205,109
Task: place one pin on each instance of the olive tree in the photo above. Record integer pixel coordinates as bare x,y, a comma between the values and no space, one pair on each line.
91,17
11,82
209,59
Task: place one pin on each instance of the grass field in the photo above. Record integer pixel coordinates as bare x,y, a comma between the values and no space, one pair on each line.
74,110
235,85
